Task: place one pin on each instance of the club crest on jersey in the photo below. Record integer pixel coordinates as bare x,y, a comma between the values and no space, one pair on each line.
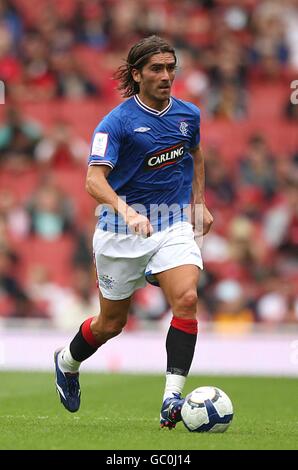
183,128
165,157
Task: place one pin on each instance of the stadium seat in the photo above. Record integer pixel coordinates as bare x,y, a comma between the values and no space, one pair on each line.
54,255
20,184
267,101
83,115
72,183
32,11
6,305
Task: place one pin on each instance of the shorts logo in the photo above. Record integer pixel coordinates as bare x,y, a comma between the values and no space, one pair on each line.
163,158
183,128
106,281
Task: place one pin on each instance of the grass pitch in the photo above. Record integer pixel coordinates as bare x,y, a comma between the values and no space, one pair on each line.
121,412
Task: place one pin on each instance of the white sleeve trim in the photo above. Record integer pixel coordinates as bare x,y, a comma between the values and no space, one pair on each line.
94,162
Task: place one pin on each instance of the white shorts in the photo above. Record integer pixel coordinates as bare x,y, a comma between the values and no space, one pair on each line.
124,262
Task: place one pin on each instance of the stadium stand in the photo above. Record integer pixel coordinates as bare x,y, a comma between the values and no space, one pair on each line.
57,59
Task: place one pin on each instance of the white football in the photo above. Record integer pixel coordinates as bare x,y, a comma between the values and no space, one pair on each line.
207,409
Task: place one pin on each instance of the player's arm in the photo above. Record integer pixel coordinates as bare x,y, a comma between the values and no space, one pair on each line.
99,188
198,187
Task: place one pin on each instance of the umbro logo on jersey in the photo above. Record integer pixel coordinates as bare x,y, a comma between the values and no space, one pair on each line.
142,129
166,157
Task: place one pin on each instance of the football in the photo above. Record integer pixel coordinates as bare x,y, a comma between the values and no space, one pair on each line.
207,409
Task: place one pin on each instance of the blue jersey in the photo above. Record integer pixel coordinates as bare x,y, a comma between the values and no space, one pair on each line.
148,152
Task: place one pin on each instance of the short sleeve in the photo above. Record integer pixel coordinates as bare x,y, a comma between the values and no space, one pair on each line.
106,142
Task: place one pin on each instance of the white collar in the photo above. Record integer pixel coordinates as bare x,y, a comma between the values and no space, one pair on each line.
151,110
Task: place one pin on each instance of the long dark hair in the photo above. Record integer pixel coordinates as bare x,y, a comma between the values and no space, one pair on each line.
139,56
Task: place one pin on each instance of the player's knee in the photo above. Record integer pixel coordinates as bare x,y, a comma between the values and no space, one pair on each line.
105,328
113,328
186,303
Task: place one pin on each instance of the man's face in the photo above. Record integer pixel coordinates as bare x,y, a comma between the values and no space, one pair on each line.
156,77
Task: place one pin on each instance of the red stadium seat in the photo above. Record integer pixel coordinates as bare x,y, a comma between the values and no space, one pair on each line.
72,183
267,101
83,115
54,255
22,184
32,11
6,305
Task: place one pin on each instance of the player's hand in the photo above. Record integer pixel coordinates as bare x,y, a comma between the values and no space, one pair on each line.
201,218
138,224
207,220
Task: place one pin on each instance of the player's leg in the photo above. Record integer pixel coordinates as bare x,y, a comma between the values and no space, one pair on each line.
97,330
93,333
180,288
120,262
176,266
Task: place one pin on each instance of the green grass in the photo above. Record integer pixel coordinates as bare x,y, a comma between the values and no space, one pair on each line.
121,412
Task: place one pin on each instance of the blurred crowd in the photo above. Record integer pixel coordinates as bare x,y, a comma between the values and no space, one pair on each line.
222,46
68,50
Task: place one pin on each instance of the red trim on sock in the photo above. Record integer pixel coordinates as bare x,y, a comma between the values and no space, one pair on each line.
185,324
87,333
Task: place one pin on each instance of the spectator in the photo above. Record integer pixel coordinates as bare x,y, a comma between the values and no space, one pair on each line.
219,180
269,45
14,215
229,102
289,14
12,20
61,148
231,312
51,212
82,257
191,83
10,66
72,80
227,75
90,23
18,139
281,221
291,111
14,302
39,82
45,293
251,202
257,167
149,303
79,302
274,304
247,246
